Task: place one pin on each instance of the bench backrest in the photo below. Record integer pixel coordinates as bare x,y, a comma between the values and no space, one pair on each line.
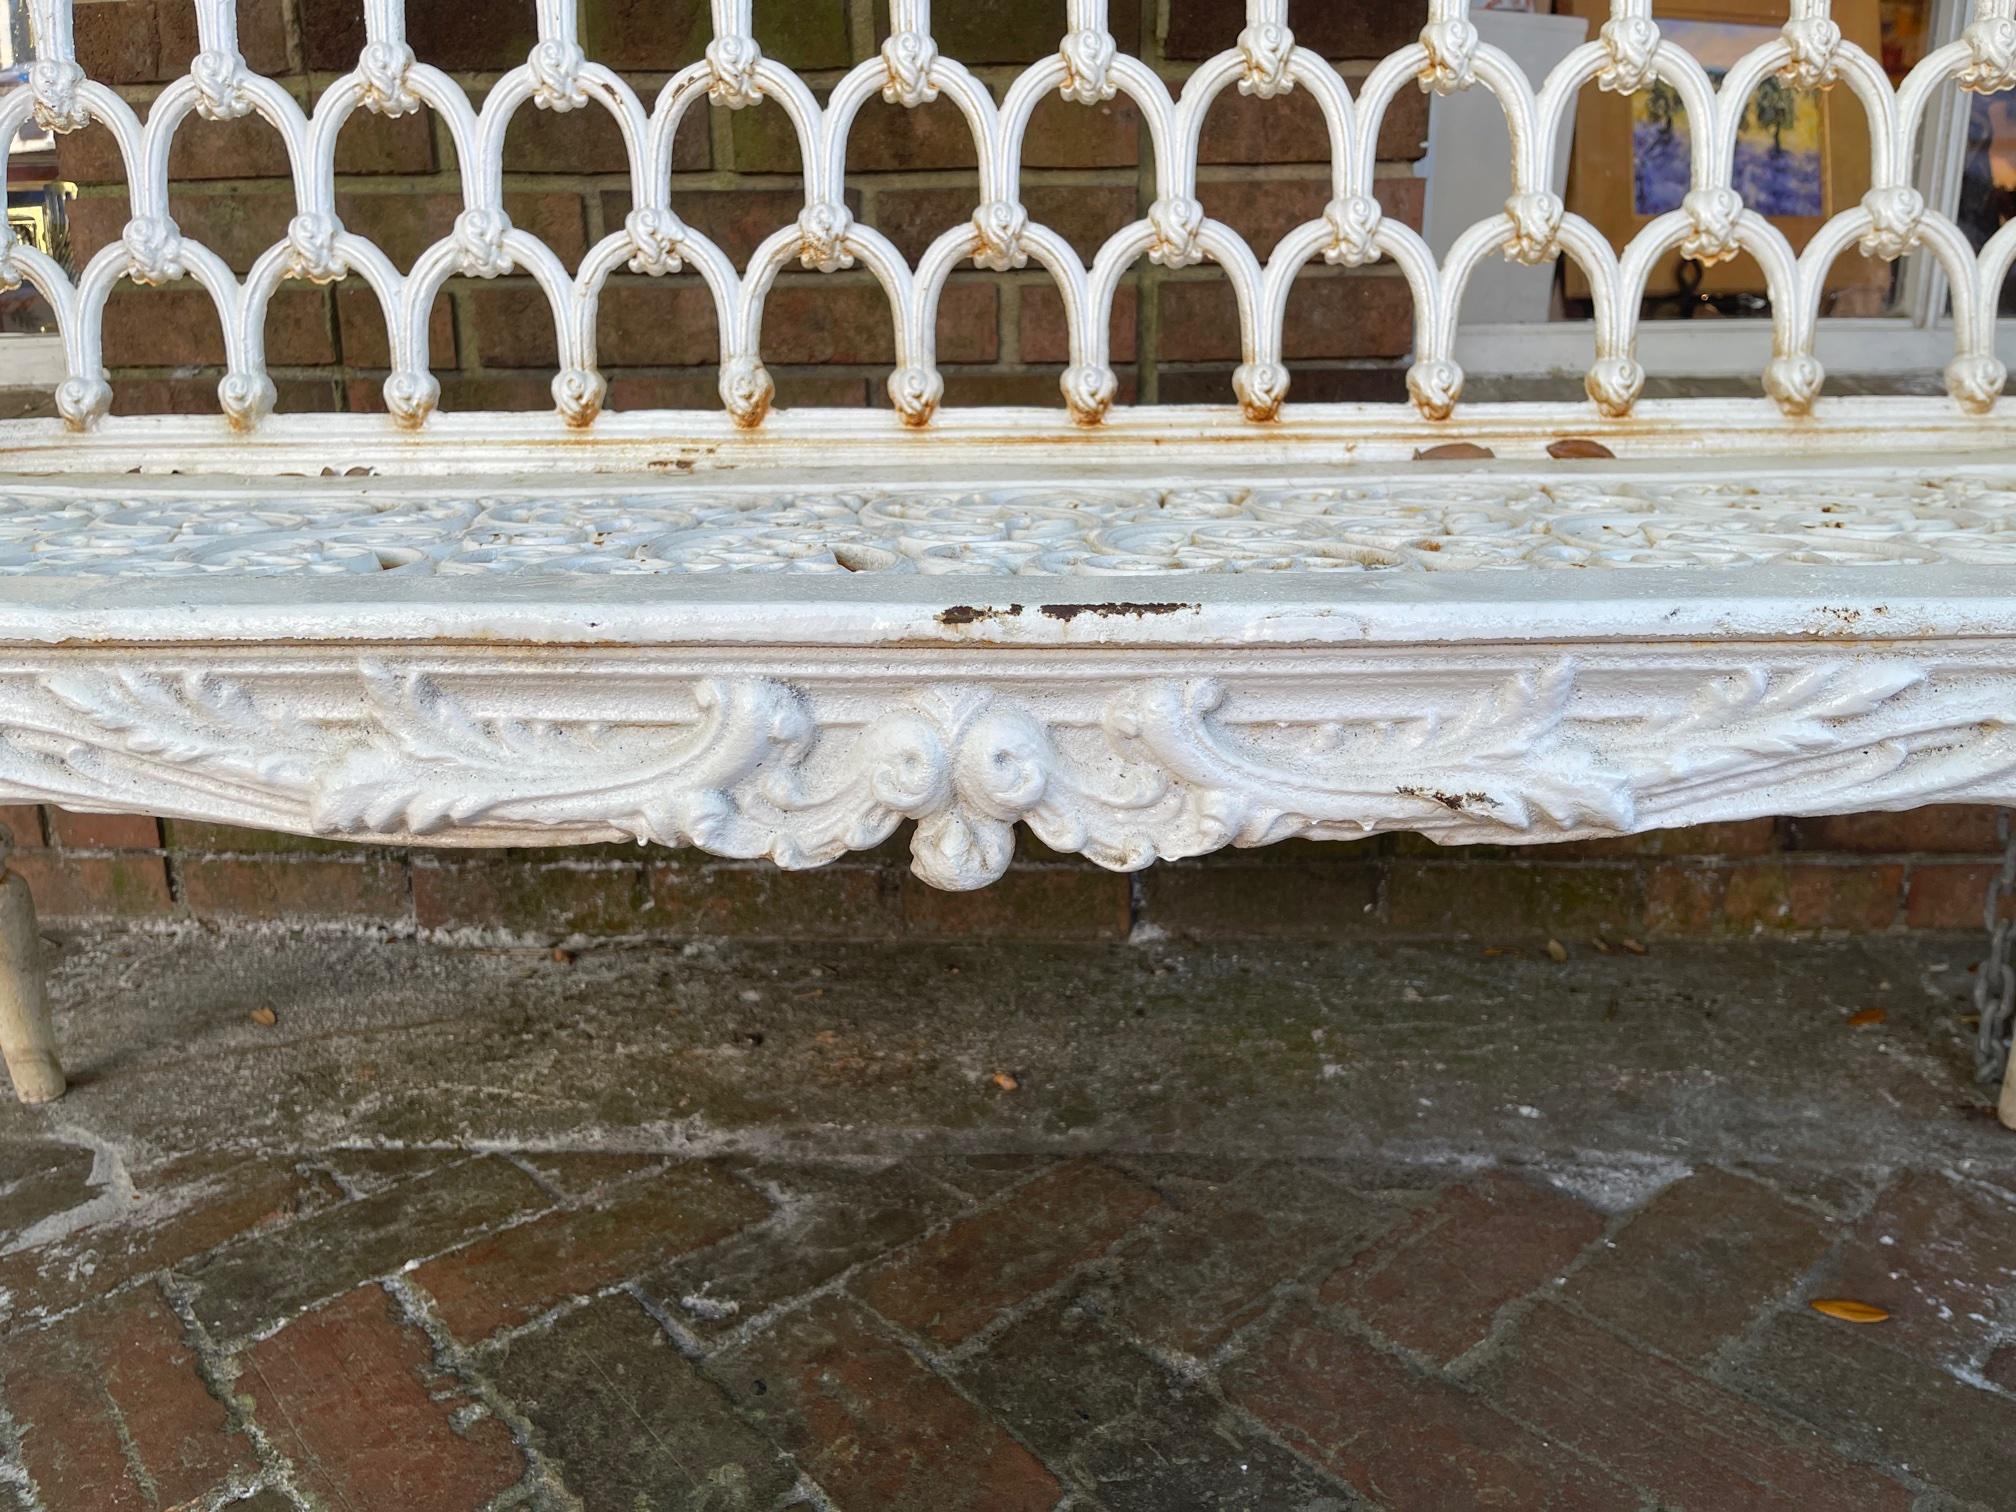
1629,55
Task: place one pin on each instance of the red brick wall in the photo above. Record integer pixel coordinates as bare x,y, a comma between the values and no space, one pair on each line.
829,343
1861,874
828,338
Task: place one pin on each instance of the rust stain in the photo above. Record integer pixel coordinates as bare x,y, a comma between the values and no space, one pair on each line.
1069,612
1455,802
1569,448
968,614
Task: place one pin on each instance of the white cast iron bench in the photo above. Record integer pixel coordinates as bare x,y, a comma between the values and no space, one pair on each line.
1144,634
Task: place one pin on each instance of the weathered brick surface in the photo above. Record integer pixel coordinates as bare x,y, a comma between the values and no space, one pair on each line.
1266,897
1886,1406
351,1395
1945,828
37,1180
741,901
103,831
112,1414
1139,1438
1046,902
1191,1282
1509,899
1699,1444
1710,880
626,1422
872,1425
825,1221
516,1274
555,900
582,1175
101,1238
1951,895
1694,1267
1152,1333
1939,1254
1435,1283
1012,33
1367,29
252,1286
1774,896
178,327
95,887
1329,315
190,838
1045,333
1403,1437
955,1283
142,40
295,889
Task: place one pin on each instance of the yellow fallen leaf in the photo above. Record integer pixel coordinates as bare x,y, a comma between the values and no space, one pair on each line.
1866,1016
1848,1310
265,1018
1005,1081
1633,946
1557,950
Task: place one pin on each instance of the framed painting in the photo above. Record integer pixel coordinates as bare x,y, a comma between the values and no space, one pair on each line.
1801,155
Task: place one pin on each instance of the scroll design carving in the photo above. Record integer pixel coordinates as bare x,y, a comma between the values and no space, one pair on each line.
1153,768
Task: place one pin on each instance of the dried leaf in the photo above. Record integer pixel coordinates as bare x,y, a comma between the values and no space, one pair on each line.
1557,950
1848,1310
1633,946
563,956
1454,451
1602,946
1866,1016
1571,447
1006,1082
265,1018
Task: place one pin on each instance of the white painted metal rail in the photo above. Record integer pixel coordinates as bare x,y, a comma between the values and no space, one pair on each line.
1891,220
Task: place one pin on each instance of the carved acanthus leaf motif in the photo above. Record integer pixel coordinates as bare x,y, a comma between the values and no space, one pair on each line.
1495,761
431,764
1169,767
190,720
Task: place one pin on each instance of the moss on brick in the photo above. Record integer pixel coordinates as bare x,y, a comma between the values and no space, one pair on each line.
545,900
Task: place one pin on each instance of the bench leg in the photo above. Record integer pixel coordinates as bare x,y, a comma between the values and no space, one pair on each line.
27,1041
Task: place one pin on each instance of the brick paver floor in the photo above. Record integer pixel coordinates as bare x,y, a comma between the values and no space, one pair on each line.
1131,1229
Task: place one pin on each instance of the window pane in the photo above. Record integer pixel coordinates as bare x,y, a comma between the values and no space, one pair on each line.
1801,157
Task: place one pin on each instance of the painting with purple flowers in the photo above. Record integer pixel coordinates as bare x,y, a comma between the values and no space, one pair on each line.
1780,147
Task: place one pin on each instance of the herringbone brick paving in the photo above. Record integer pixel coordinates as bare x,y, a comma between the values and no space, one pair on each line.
942,1321
347,1328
